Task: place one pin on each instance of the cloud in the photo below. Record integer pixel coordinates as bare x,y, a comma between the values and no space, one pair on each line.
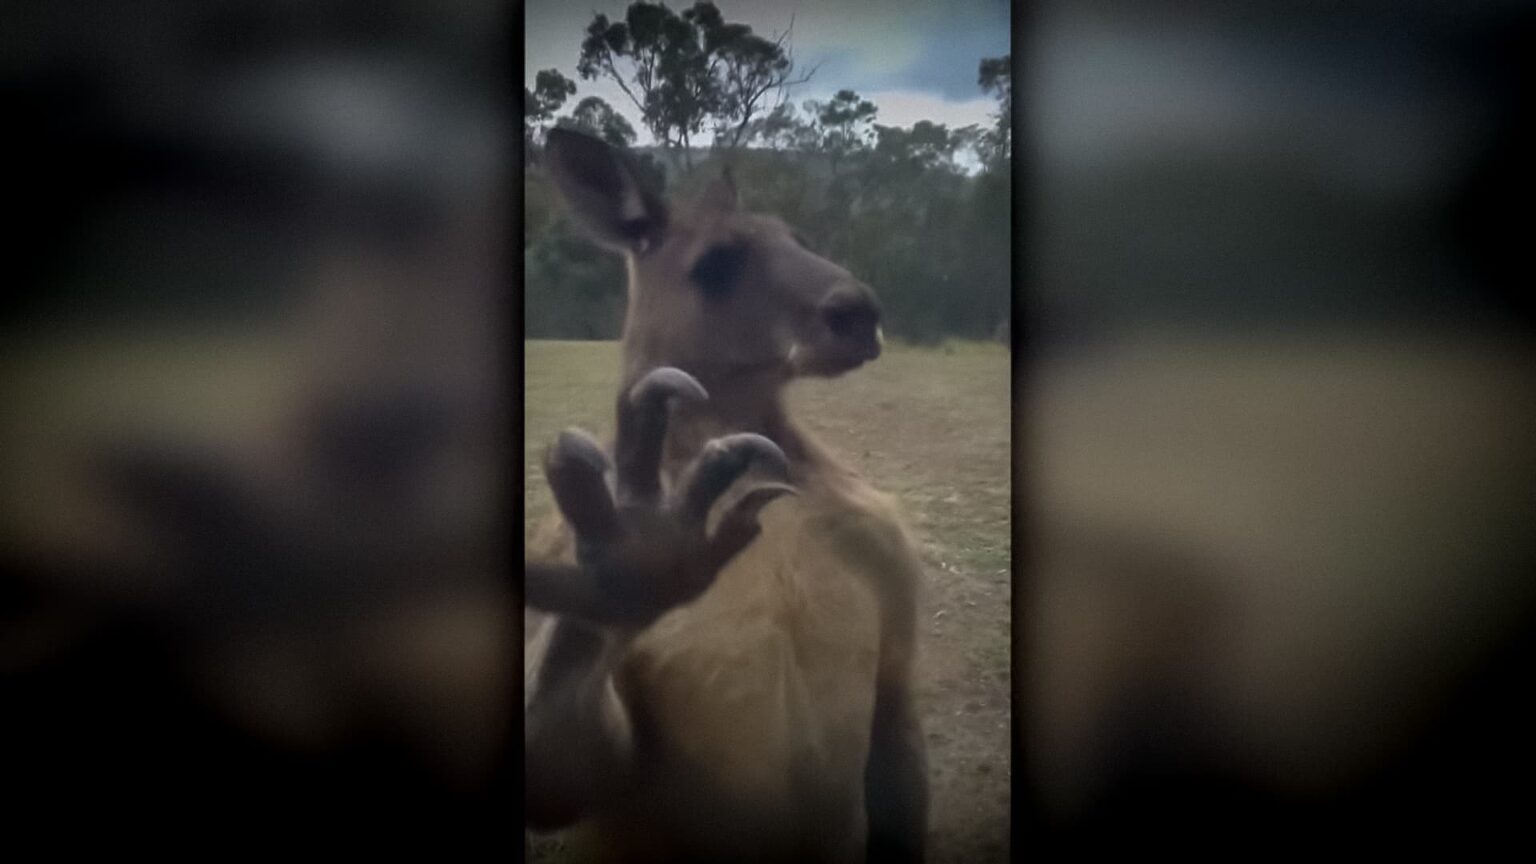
925,46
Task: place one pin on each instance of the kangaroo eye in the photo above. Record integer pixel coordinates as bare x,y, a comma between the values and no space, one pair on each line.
717,270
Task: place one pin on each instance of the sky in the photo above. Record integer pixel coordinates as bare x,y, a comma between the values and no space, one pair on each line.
915,59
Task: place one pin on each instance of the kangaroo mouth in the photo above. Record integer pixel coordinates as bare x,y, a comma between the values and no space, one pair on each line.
836,357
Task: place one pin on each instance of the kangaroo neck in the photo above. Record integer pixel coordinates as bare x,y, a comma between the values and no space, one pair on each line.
739,401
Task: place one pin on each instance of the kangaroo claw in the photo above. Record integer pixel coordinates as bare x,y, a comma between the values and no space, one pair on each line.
643,429
723,461
575,466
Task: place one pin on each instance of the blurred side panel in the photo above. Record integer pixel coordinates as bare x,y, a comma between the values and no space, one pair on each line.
1280,423
251,454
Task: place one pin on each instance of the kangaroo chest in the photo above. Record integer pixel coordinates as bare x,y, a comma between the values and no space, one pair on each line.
755,702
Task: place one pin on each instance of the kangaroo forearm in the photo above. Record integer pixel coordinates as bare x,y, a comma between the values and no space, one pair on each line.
573,593
557,589
578,744
560,589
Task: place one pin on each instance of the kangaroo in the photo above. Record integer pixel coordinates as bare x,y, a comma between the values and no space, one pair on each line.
743,693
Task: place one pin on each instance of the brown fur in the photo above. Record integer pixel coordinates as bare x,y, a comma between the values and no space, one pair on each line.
753,709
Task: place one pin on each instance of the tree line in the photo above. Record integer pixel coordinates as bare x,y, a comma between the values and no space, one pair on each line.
921,213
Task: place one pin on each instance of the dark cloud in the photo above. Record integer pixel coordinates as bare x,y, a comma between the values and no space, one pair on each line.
948,65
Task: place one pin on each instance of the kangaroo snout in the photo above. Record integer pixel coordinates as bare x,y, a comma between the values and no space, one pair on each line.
852,316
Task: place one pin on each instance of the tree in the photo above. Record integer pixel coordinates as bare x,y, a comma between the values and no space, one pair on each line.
784,129
926,146
550,90
778,129
746,67
972,138
683,70
995,77
843,124
596,117
658,59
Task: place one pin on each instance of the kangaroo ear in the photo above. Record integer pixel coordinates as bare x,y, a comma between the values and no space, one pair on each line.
604,191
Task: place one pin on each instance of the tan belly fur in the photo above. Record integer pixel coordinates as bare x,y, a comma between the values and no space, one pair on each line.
755,702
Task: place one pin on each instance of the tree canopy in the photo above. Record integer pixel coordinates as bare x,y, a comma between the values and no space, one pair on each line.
685,71
842,124
596,117
995,78
550,90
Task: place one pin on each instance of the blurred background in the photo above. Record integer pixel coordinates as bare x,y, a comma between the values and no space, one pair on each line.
255,393
1277,424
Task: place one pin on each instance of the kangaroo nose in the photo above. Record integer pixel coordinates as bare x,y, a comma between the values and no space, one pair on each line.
853,317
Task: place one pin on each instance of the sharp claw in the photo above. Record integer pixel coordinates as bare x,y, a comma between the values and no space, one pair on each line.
746,509
722,462
643,428
667,382
575,466
762,449
577,445
759,497
739,526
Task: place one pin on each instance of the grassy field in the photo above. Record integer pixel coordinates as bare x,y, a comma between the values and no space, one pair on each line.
930,426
